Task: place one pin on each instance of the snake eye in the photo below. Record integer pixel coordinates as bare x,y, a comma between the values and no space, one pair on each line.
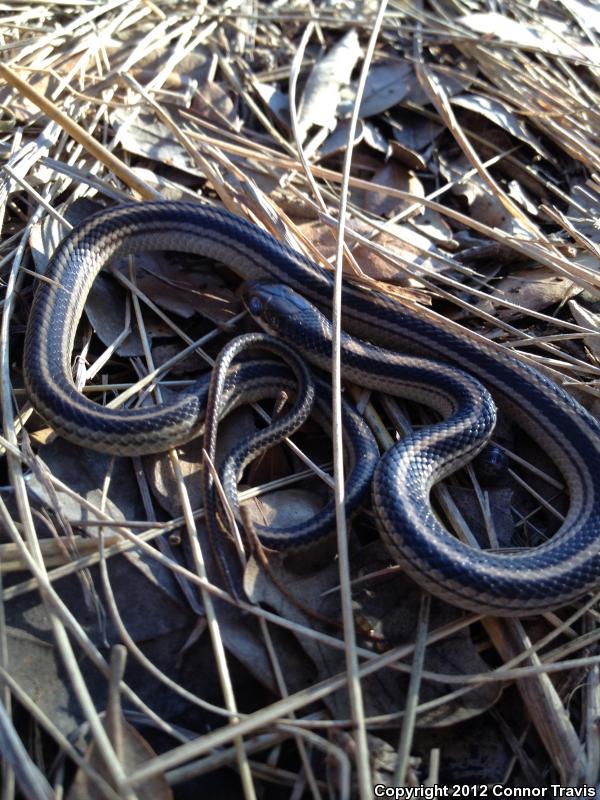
255,305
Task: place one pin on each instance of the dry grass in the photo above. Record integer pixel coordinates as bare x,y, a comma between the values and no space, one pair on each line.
476,191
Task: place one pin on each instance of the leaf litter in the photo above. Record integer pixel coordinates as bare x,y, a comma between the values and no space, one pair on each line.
474,189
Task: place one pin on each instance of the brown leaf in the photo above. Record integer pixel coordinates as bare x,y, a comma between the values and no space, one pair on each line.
550,35
319,102
395,176
387,85
146,136
400,240
501,114
409,158
483,203
533,290
135,751
582,316
185,290
214,104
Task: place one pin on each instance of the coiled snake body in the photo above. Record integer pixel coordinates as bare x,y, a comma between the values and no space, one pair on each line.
531,581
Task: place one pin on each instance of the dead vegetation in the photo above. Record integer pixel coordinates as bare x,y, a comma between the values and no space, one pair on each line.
468,181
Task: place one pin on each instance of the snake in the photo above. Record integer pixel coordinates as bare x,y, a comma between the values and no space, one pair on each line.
231,384
379,329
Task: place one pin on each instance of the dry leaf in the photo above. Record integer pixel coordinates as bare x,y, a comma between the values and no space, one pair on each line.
589,320
386,85
407,156
214,104
395,176
144,135
285,507
337,141
374,138
459,81
106,311
484,203
45,236
433,226
186,290
399,240
85,472
135,751
532,289
238,424
550,35
503,115
277,101
413,131
319,102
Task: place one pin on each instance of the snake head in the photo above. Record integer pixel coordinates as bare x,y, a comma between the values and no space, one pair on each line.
275,306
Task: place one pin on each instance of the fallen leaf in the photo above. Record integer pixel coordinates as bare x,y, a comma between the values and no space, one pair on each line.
400,240
484,203
413,131
503,115
144,135
85,472
319,102
387,85
375,139
337,141
163,482
550,35
45,236
432,225
213,103
153,612
459,81
409,158
106,311
186,286
589,320
532,290
134,751
395,176
277,101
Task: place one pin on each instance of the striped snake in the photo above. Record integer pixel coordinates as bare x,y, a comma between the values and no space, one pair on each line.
531,581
